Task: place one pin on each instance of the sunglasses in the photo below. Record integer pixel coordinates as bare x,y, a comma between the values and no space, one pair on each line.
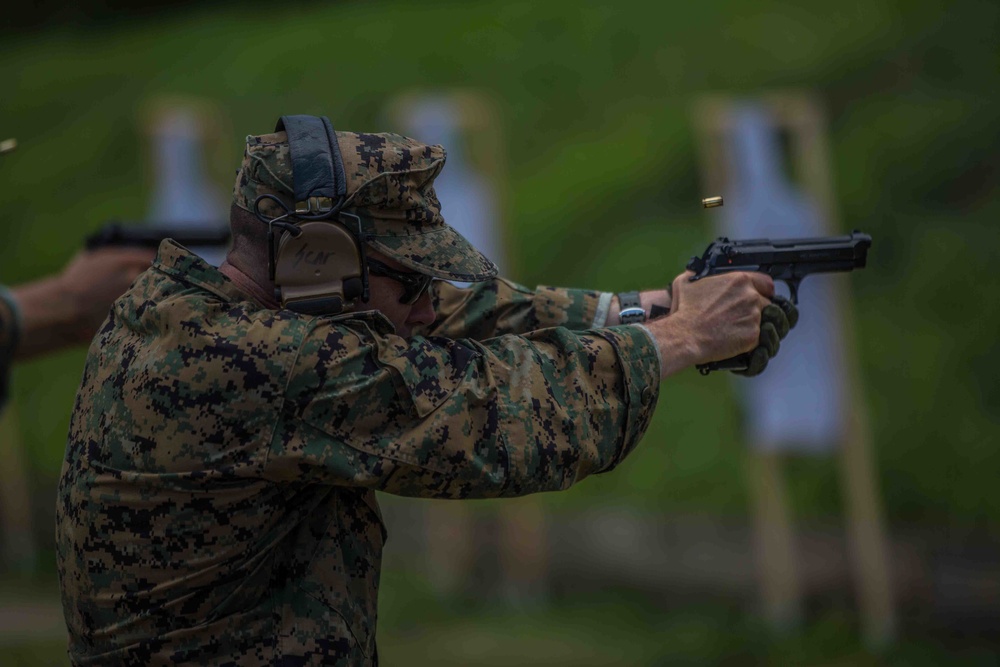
414,284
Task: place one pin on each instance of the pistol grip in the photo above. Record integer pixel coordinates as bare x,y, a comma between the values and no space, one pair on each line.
740,362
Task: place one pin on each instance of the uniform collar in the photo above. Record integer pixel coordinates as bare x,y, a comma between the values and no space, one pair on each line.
177,261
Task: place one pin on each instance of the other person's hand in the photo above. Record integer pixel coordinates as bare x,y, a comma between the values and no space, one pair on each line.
94,279
67,308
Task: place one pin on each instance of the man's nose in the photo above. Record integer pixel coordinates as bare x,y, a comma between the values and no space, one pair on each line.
423,310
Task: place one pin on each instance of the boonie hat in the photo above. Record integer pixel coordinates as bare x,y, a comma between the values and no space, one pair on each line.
389,187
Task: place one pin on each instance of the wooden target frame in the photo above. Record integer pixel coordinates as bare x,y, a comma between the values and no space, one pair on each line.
799,117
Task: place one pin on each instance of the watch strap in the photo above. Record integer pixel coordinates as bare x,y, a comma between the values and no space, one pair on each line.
631,310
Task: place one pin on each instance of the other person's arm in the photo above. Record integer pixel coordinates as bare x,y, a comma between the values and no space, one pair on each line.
67,308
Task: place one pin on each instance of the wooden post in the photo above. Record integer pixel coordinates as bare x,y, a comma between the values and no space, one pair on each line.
449,548
864,514
524,552
780,577
801,116
520,539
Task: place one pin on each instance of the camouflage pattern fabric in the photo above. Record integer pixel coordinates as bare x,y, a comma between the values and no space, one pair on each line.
9,334
216,504
390,188
500,307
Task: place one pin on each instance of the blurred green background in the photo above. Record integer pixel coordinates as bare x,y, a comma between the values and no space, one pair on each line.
595,102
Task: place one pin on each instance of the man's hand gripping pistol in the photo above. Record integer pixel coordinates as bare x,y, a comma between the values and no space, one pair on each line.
788,260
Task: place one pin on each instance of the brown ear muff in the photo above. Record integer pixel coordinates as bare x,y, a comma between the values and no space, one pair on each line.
320,270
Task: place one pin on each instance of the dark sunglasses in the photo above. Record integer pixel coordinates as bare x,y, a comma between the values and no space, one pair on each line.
414,284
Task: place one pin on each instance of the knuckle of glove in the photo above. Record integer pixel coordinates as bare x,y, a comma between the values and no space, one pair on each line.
789,308
757,363
773,315
769,339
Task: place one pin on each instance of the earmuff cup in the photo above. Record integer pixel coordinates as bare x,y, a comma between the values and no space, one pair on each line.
323,262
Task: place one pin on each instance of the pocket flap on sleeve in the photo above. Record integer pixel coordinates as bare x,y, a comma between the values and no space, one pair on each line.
430,369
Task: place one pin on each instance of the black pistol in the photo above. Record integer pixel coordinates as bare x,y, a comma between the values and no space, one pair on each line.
118,234
789,260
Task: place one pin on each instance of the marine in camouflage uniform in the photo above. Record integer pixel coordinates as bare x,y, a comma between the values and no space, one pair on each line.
216,504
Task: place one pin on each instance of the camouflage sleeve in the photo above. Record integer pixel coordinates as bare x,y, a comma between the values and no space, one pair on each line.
9,332
438,417
499,307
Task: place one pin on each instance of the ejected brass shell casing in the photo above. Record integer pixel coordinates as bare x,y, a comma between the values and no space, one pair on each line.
7,145
711,202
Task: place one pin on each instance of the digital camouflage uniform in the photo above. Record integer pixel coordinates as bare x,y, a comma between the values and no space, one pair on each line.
217,504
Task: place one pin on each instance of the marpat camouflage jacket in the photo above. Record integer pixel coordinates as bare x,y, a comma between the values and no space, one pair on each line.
216,504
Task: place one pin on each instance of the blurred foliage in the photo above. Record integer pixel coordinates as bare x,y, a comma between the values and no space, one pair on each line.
596,102
41,14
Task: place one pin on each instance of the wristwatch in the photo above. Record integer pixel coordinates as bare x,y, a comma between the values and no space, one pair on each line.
631,311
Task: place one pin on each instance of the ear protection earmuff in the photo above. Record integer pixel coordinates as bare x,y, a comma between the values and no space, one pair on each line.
317,261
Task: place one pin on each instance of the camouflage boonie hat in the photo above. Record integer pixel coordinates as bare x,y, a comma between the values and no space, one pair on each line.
389,186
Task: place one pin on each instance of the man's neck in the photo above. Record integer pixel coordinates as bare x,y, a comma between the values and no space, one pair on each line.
249,286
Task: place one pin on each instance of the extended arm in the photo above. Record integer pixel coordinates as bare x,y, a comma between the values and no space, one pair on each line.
459,419
64,309
499,307
439,417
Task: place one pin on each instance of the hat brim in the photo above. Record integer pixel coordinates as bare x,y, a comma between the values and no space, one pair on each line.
441,253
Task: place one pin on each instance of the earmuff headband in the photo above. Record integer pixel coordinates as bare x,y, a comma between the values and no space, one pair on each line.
318,264
320,181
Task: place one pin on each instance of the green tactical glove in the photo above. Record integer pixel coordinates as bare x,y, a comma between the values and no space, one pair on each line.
775,321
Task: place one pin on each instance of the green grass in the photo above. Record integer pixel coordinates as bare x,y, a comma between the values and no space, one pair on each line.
619,627
614,627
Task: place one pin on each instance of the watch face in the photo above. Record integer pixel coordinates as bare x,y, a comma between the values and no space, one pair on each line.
632,315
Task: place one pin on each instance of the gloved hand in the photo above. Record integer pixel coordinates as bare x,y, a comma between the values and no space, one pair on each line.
776,320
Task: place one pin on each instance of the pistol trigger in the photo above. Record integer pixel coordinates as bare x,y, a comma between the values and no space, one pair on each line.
793,290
